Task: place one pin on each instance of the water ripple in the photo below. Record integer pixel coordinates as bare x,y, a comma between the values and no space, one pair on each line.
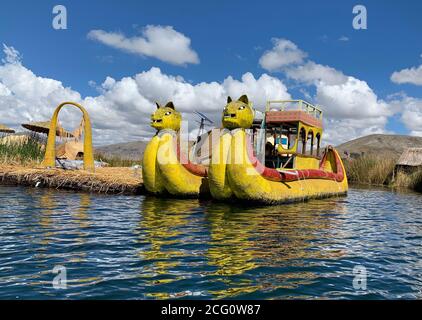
137,247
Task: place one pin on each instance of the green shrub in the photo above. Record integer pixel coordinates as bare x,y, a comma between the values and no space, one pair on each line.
29,149
412,180
369,169
377,170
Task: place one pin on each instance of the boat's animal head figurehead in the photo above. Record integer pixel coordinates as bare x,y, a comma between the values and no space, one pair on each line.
166,117
238,114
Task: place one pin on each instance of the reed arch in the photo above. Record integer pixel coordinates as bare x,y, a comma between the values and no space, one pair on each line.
50,151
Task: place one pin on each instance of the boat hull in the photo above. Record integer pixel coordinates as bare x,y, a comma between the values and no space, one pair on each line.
217,173
181,178
152,178
250,180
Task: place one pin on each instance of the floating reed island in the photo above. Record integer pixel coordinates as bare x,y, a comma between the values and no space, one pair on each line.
32,160
102,180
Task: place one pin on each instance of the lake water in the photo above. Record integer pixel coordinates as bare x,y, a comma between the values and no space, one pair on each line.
139,247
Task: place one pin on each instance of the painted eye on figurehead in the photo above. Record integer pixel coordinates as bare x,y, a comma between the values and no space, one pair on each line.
167,113
242,107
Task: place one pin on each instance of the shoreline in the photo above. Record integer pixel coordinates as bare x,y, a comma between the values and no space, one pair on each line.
112,180
107,180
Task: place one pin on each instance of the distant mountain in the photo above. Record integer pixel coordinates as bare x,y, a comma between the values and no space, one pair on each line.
129,150
380,144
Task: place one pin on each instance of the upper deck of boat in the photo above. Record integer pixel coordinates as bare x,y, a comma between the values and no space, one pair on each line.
284,111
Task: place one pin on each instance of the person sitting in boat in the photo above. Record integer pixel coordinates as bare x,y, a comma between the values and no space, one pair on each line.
269,154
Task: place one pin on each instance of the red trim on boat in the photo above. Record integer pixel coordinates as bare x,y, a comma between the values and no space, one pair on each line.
294,175
196,169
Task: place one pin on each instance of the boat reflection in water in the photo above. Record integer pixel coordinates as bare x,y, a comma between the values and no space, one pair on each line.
267,239
164,232
239,242
126,247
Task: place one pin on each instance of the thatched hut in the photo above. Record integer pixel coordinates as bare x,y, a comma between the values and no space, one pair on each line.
70,150
4,129
410,160
44,127
5,133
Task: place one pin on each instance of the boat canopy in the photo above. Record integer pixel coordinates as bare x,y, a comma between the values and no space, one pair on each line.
292,128
282,111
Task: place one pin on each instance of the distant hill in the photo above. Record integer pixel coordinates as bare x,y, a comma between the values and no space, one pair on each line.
380,144
129,150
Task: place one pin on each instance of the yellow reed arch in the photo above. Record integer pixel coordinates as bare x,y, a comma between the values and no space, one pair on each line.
50,152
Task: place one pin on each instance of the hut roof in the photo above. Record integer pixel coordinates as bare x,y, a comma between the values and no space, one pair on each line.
70,150
5,129
44,127
411,157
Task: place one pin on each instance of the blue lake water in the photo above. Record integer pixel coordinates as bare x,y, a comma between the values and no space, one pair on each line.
140,247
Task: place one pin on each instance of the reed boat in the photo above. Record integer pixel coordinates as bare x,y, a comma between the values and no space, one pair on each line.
277,158
217,173
166,168
181,177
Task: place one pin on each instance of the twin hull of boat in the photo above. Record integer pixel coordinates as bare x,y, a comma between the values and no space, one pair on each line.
248,183
233,174
164,173
153,180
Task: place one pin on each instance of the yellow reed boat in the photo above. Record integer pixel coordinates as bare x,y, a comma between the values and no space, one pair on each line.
275,159
165,167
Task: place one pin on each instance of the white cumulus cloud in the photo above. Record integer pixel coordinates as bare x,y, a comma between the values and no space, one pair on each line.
25,96
351,107
353,99
411,112
314,73
411,75
161,42
121,111
283,53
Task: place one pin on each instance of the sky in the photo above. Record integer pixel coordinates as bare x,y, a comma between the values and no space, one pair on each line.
117,58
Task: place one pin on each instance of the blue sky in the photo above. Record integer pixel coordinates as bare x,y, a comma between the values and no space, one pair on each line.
229,37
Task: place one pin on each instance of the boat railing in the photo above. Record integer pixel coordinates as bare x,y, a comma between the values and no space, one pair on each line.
297,105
